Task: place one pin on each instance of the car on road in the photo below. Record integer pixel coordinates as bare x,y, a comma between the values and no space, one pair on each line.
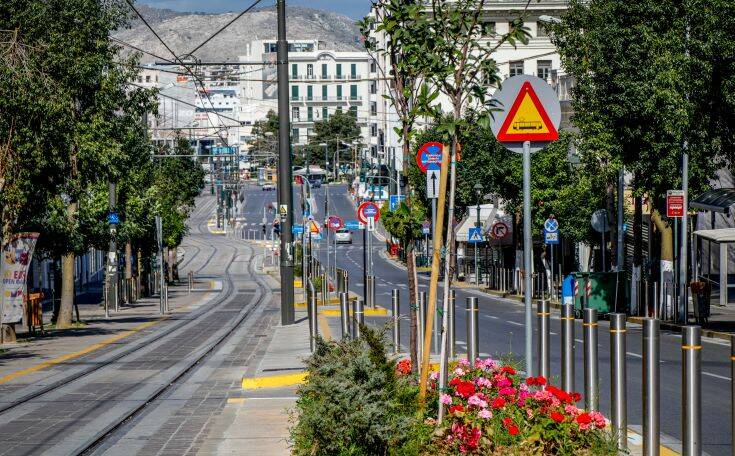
343,236
268,186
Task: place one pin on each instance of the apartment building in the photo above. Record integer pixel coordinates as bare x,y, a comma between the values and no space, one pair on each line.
321,82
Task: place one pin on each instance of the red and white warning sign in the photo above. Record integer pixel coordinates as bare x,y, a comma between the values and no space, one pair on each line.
675,203
499,230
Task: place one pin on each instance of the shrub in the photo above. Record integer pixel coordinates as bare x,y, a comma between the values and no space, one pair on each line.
354,403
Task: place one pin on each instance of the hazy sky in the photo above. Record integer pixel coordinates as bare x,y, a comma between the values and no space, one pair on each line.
355,9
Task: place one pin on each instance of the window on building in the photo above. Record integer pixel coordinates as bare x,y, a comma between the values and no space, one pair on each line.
309,70
373,151
353,111
270,47
339,92
324,92
325,113
373,87
294,71
295,134
309,92
295,92
353,70
541,30
148,78
488,28
373,130
373,67
353,92
309,132
516,68
324,71
295,113
339,70
373,108
488,78
543,69
310,114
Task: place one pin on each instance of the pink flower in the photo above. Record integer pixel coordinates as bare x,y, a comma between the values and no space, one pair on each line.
598,419
507,391
463,362
485,414
571,410
458,371
502,381
434,376
445,399
477,401
483,382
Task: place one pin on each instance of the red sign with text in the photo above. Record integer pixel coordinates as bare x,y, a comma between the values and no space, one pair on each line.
675,203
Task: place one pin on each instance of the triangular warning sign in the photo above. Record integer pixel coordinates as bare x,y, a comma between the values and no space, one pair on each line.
314,227
475,235
527,119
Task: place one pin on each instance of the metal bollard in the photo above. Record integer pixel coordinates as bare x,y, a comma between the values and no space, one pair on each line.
473,340
344,314
354,330
325,289
451,326
359,317
544,361
395,298
655,300
567,347
312,313
421,315
618,376
369,291
691,397
591,378
651,390
191,281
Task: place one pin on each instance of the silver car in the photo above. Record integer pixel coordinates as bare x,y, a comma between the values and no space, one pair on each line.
343,236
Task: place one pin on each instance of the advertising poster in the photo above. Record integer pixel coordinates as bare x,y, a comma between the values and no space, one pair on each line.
17,256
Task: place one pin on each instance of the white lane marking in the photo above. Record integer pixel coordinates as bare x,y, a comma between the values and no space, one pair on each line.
635,355
494,317
579,340
514,323
710,374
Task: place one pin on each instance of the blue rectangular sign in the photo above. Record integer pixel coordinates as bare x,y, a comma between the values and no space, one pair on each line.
113,218
297,229
219,150
551,237
395,201
352,224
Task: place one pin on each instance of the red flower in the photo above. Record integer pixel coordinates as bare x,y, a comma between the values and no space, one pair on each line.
455,409
563,396
404,366
498,402
508,370
513,430
531,381
455,381
510,426
541,381
584,418
576,397
556,416
465,389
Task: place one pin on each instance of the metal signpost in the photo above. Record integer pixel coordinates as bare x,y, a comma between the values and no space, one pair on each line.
368,213
429,157
551,238
600,223
395,201
528,121
475,237
675,210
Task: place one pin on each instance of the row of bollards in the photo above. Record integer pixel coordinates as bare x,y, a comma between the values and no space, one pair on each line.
351,321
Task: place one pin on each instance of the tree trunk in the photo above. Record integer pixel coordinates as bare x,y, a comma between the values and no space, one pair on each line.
170,269
139,271
66,308
613,222
175,261
638,254
127,286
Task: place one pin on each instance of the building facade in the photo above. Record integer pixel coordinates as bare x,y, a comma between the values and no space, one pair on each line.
321,82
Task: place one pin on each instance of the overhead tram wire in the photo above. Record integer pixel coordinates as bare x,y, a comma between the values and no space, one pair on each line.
247,10
130,3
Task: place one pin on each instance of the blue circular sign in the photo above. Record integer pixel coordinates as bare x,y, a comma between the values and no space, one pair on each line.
551,225
429,156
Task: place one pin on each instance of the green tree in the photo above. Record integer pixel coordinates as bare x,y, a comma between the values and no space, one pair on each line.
265,143
339,130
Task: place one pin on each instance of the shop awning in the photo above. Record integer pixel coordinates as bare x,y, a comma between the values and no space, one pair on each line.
715,200
722,235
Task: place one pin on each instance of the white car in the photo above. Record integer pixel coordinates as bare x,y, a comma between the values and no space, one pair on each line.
268,186
343,236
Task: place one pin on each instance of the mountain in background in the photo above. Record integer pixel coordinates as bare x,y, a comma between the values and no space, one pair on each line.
182,32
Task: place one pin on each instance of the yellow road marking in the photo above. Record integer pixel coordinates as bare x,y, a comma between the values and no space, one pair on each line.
324,326
76,354
274,381
377,312
235,400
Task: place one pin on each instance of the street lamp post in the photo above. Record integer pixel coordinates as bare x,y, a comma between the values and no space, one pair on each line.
478,192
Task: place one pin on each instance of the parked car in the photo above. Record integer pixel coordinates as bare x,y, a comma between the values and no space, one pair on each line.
268,186
343,236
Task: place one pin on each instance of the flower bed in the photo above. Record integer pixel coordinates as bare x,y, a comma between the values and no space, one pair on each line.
492,410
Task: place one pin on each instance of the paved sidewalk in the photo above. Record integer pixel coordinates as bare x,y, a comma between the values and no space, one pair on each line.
37,359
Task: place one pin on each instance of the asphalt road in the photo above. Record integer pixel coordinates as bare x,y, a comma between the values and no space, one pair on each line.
502,332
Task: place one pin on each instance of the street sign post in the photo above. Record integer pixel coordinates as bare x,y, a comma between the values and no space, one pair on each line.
395,201
600,223
499,230
429,153
368,210
551,232
297,229
675,203
527,121
352,224
335,222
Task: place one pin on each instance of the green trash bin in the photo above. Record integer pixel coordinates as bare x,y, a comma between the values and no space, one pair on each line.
607,294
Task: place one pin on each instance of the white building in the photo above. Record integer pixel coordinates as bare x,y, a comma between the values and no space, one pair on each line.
321,81
539,57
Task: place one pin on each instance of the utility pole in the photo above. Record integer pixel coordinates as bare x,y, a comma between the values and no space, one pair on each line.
285,197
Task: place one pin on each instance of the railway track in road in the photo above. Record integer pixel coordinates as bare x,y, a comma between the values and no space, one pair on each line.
193,337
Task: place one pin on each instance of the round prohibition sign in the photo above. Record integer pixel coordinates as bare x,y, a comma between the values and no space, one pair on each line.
335,222
500,230
429,154
368,210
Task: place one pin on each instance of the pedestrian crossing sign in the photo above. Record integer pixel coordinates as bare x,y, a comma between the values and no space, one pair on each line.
475,235
527,119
